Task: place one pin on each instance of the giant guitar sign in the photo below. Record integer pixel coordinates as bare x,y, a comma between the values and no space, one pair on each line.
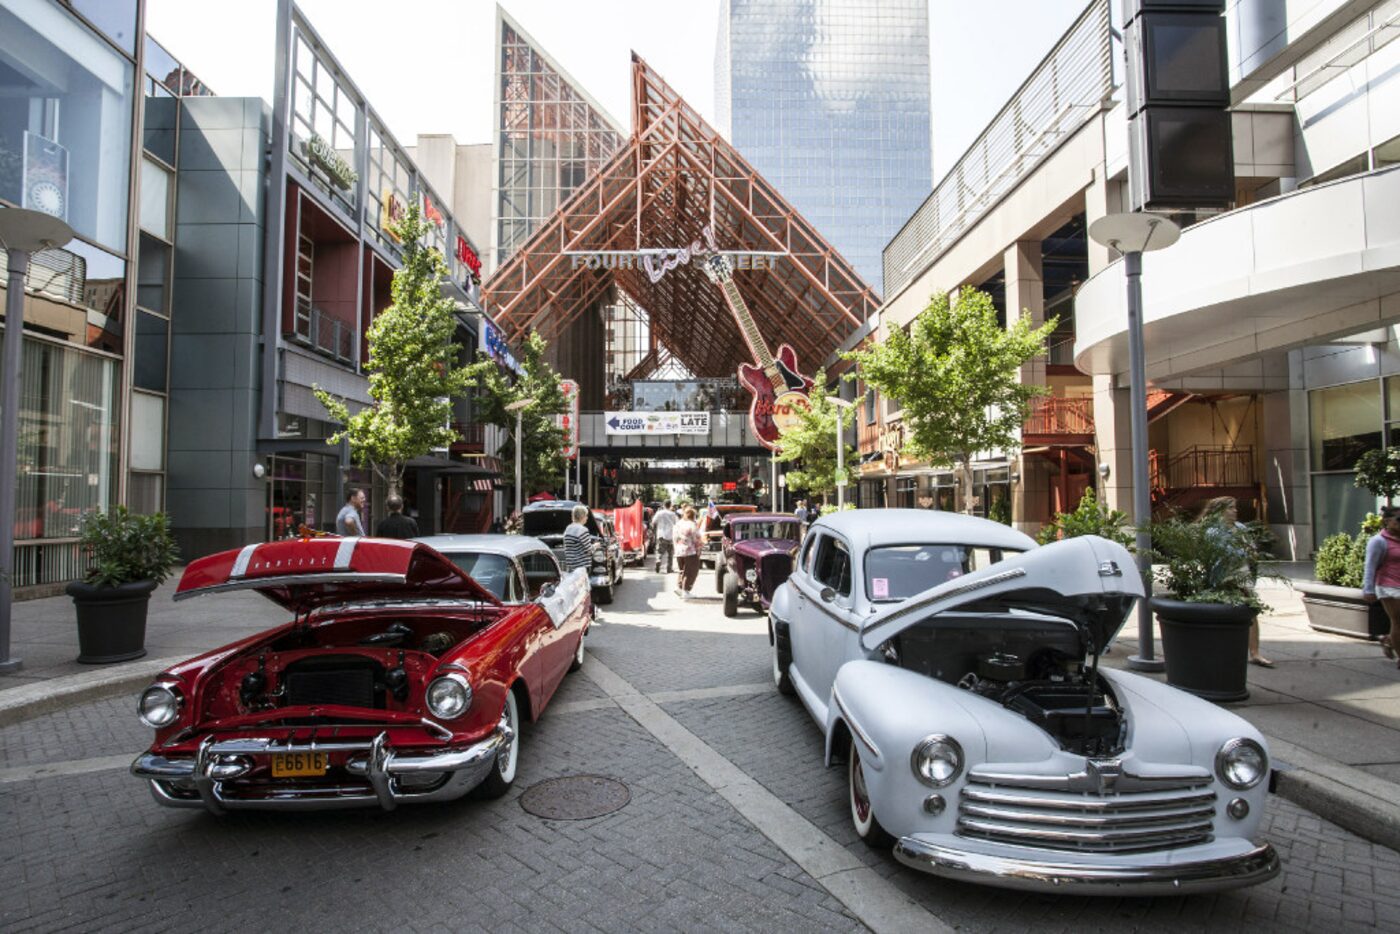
779,390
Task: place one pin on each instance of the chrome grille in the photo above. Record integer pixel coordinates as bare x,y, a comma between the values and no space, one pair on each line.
1175,813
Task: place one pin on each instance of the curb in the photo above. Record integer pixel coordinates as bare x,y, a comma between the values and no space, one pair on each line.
1348,797
33,700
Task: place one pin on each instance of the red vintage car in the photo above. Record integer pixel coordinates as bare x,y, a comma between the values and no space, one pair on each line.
399,679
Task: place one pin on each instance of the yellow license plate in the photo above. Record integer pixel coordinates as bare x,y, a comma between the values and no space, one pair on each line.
293,764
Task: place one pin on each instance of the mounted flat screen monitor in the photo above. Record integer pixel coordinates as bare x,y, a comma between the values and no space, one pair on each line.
1184,58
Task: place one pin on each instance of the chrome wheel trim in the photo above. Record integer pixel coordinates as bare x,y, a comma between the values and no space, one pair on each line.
508,757
862,816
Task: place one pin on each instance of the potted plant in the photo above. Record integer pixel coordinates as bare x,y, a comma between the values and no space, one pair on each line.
1333,602
130,555
1207,568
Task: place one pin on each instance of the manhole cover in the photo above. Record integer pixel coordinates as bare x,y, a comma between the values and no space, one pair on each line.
575,797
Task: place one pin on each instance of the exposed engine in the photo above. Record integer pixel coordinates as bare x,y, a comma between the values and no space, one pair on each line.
1033,668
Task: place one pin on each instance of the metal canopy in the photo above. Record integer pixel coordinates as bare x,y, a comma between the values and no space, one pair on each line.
676,176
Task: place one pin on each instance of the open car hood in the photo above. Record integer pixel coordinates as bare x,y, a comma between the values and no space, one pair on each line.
1087,581
304,574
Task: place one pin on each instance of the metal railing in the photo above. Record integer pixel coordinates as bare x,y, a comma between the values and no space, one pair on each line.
1068,87
1057,415
331,336
1203,466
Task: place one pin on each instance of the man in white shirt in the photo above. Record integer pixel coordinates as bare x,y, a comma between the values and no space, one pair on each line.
664,524
348,521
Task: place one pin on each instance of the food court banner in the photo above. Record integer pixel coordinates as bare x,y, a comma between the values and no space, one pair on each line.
657,423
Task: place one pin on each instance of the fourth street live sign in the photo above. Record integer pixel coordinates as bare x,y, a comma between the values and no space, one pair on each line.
658,423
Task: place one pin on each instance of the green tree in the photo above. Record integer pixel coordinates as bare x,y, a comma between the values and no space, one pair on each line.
412,367
542,457
955,373
809,443
696,494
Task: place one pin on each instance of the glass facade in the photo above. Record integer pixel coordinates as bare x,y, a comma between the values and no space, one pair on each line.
551,137
830,102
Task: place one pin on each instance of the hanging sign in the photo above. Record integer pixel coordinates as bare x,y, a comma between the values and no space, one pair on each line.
468,256
569,419
322,155
391,211
657,423
492,343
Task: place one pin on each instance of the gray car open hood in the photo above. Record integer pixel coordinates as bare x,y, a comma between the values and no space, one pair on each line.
1088,581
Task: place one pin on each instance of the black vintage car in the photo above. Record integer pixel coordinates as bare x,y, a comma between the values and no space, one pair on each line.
547,520
757,555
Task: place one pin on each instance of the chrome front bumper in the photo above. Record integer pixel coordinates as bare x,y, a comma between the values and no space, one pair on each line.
599,580
204,781
1251,866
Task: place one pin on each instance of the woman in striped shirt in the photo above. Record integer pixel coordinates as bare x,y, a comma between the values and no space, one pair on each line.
578,541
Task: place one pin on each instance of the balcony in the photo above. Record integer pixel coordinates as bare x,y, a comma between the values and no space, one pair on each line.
1058,420
1202,472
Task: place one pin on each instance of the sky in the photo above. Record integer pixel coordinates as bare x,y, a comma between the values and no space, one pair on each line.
430,68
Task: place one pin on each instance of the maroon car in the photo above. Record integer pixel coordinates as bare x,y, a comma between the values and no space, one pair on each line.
758,551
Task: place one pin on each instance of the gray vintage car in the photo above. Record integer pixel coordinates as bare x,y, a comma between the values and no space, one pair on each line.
953,666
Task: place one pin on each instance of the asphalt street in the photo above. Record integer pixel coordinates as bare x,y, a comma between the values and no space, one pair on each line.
732,824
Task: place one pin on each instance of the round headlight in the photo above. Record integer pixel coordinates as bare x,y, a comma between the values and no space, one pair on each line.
937,760
1241,763
449,697
158,707
751,575
600,552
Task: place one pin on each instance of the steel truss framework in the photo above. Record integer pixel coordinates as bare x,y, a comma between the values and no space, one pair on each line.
675,176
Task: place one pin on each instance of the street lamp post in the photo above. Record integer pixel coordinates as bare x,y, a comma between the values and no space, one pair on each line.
1133,235
22,233
841,406
518,407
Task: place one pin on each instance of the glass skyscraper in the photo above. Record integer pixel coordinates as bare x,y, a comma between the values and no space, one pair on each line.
829,99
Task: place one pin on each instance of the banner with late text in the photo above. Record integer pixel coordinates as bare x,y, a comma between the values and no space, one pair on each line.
657,423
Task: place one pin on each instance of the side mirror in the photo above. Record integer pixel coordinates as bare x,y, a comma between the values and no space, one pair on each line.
548,590
827,594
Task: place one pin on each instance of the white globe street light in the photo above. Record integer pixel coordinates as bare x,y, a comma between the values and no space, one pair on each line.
841,406
518,407
22,233
1133,235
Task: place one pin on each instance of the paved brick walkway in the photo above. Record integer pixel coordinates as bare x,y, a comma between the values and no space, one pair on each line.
91,851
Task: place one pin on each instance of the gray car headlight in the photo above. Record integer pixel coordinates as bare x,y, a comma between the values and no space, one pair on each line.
158,707
751,576
449,697
1241,763
600,553
937,760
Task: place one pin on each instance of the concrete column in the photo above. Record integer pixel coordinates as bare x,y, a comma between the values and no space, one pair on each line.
1025,298
1113,440
1101,198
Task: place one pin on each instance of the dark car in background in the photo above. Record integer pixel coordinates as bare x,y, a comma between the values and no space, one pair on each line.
756,555
547,520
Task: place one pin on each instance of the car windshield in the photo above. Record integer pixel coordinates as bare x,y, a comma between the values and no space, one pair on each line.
897,572
743,531
490,571
553,522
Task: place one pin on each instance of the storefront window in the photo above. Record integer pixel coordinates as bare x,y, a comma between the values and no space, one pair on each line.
67,439
65,120
1345,423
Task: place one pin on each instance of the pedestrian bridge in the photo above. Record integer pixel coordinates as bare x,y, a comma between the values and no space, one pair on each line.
729,433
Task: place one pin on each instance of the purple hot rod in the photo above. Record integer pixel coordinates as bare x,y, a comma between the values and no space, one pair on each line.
758,551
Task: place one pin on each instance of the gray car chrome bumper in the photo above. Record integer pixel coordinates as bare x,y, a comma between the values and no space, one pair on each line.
203,781
1255,865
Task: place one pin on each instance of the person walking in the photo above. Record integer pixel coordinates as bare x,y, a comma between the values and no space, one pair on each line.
578,541
1225,510
686,536
800,513
664,525
1382,579
396,524
348,521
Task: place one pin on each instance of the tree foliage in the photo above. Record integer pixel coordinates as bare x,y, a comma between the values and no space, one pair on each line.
809,444
543,459
412,366
955,373
1378,473
1091,517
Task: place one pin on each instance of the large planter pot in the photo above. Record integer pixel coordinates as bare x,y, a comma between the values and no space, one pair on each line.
111,620
1342,610
1206,647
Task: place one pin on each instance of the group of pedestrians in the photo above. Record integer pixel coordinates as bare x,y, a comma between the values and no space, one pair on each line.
350,520
678,536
